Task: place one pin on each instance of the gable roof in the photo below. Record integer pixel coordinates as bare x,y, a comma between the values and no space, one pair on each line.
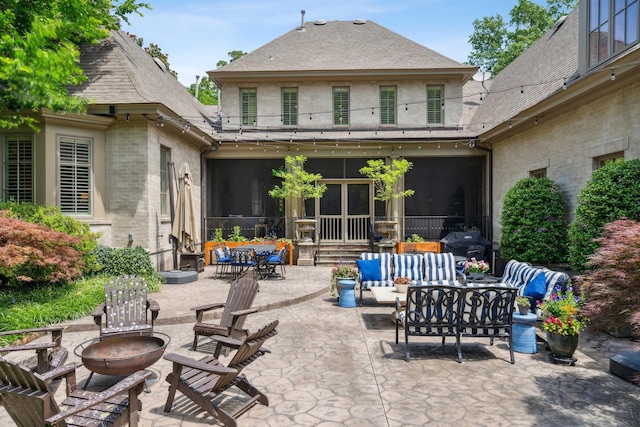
536,74
119,71
346,47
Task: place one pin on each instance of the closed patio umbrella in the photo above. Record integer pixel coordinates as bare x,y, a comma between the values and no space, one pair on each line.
184,227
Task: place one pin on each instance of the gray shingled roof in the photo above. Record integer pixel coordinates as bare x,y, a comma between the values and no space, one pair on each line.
121,72
538,72
343,46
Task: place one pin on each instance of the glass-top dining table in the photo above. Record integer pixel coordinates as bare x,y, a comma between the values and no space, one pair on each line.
253,257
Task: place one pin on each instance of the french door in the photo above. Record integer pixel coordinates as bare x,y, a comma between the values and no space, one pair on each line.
344,210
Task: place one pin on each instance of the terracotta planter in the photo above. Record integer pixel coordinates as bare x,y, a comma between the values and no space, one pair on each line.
402,247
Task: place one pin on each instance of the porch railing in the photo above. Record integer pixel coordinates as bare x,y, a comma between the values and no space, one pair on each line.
428,227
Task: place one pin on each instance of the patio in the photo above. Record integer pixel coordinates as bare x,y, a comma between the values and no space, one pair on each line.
335,366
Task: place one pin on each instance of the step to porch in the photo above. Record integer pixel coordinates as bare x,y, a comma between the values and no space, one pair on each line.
334,254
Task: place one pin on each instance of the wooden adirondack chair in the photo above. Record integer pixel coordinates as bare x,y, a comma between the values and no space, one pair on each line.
49,355
204,380
29,400
240,298
126,308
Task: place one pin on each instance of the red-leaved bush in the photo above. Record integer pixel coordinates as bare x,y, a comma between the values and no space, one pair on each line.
33,253
611,287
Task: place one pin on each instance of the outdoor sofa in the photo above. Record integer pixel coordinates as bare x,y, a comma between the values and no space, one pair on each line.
445,310
381,269
536,283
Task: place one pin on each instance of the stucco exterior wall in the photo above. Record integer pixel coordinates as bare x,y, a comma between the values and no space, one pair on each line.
315,99
568,146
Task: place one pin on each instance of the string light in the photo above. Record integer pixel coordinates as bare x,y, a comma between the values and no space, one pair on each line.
536,122
564,84
521,89
613,75
438,145
126,116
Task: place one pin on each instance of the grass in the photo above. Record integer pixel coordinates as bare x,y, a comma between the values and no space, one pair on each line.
43,305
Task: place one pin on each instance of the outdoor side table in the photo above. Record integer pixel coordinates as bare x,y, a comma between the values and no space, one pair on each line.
524,333
347,293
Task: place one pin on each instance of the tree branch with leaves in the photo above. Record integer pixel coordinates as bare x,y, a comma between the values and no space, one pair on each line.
387,179
296,182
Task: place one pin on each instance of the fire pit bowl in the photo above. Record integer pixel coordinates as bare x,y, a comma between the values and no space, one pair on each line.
122,355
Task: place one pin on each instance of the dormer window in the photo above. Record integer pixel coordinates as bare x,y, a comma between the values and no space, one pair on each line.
613,25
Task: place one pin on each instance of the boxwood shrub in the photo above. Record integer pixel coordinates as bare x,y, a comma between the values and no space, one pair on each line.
533,222
612,193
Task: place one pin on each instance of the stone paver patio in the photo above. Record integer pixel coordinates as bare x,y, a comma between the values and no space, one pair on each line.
334,366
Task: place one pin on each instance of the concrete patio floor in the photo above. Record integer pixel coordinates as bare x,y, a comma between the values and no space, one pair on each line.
334,366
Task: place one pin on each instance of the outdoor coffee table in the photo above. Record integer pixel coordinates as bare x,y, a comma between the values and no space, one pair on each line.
387,294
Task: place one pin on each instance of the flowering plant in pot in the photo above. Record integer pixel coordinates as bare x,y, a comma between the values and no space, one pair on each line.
342,271
475,267
401,284
563,321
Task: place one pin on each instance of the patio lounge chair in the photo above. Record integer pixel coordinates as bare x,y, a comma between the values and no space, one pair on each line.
29,400
204,380
127,310
240,298
49,355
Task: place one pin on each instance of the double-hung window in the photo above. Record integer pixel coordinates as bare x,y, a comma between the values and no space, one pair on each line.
435,105
290,106
18,168
165,157
248,107
341,106
613,25
388,102
74,175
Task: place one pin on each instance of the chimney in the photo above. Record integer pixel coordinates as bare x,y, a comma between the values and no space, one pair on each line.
302,12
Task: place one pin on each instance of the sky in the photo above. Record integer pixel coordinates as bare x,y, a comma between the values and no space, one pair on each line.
196,34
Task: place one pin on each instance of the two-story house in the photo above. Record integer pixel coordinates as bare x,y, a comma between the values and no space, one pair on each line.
340,93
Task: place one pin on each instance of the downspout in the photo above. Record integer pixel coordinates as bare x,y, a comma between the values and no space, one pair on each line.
202,192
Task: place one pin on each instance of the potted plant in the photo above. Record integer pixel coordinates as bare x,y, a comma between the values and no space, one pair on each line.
475,268
342,271
402,284
524,305
563,323
415,242
387,180
298,185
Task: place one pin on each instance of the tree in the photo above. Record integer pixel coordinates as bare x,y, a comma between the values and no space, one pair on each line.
296,182
234,54
495,43
155,52
39,52
386,180
207,91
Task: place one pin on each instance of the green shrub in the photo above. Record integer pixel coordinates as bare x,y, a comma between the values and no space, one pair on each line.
533,222
33,253
53,218
612,193
121,261
415,238
236,236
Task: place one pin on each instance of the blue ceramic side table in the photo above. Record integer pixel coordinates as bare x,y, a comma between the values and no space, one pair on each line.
524,333
347,293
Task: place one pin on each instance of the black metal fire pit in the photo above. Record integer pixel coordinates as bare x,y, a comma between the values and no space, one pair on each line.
121,355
